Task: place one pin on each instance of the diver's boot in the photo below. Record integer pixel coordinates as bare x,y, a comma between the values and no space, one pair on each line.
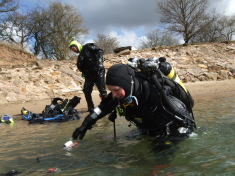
90,103
90,109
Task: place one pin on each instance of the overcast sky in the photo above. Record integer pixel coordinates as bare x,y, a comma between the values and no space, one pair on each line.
128,20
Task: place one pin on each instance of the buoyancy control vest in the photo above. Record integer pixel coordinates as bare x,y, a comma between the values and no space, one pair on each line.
176,99
60,110
166,75
62,106
91,58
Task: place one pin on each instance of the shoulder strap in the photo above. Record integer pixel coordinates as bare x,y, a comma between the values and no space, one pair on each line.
93,47
145,89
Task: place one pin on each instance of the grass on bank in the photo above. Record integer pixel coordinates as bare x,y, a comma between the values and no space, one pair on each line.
15,46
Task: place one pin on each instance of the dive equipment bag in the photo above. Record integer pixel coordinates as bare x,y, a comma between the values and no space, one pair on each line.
60,110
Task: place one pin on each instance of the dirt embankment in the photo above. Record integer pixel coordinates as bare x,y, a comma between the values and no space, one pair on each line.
11,58
206,69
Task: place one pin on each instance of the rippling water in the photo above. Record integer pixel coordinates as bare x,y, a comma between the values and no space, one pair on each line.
33,149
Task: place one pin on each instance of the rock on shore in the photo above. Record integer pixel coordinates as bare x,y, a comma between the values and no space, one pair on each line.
50,78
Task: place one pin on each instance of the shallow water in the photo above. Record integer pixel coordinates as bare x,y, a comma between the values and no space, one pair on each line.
35,148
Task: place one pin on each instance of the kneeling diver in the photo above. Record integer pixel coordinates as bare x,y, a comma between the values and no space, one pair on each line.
153,109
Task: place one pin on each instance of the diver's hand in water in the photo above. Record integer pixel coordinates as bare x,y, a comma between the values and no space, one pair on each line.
81,131
86,124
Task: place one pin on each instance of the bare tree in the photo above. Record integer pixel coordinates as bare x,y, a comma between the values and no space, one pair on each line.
65,24
8,5
209,34
106,42
38,26
227,27
185,17
14,28
222,29
158,38
54,28
50,29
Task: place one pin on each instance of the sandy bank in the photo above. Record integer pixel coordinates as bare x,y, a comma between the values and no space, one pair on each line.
199,90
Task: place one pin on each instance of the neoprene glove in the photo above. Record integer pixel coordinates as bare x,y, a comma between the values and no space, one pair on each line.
81,131
113,116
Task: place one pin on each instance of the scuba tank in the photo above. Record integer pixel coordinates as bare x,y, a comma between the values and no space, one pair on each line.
151,64
170,73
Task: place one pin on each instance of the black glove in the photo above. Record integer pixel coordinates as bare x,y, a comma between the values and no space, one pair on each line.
81,131
113,116
86,124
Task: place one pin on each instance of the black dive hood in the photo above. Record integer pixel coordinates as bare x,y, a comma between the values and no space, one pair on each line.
122,75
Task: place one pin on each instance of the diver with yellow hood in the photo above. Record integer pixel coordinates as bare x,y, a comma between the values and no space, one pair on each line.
90,63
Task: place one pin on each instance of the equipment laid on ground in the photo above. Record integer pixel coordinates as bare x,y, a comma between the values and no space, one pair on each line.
6,119
60,110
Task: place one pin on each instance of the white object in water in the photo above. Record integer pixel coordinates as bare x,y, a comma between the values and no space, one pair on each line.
68,144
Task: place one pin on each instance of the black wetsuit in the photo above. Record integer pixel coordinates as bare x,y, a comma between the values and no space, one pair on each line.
161,110
90,63
151,114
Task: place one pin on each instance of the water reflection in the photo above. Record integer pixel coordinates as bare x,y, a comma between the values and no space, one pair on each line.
33,149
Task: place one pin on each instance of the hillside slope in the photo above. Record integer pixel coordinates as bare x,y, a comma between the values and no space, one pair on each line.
198,62
26,78
10,58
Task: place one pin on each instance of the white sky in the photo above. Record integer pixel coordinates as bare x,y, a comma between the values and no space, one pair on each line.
128,20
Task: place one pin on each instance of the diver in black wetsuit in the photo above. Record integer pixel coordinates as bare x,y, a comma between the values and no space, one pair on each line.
90,63
155,104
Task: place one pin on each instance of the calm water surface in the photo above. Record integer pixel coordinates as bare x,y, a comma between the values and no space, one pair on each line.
33,149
